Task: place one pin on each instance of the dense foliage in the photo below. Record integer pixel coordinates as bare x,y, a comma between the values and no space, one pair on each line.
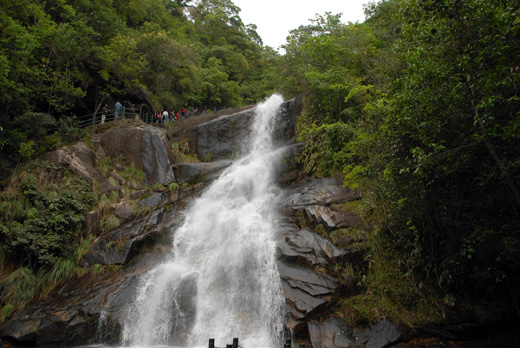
418,108
59,58
41,231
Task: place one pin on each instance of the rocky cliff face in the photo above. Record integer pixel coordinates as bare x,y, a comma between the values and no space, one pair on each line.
91,308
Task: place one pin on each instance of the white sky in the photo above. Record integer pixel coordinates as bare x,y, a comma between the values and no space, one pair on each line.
275,18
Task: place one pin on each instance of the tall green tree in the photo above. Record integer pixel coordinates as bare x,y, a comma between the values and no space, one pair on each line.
446,166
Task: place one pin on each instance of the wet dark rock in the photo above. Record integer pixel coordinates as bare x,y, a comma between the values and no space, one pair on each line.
331,333
156,157
185,194
316,192
378,335
289,170
310,247
306,258
305,288
224,137
144,146
184,303
71,314
137,194
334,333
153,201
123,212
199,171
301,248
332,218
284,132
117,247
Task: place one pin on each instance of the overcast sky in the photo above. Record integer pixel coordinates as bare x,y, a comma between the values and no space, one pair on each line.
275,18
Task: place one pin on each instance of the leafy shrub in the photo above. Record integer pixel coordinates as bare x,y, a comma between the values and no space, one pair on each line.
173,186
27,149
326,148
44,213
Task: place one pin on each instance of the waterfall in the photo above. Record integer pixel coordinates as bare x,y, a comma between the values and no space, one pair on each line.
221,279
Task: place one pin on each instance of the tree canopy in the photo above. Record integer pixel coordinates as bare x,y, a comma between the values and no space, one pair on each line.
63,58
418,109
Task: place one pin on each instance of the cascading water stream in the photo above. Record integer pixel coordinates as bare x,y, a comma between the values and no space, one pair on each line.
221,280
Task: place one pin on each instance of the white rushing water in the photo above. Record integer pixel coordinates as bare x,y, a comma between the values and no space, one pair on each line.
221,280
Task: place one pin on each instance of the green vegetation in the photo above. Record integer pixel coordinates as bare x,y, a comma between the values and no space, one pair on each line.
64,58
43,212
108,223
181,152
417,109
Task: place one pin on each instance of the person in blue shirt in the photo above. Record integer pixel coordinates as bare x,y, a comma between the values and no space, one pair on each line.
118,108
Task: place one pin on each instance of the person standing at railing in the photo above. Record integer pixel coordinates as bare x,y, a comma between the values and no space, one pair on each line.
118,108
104,113
164,117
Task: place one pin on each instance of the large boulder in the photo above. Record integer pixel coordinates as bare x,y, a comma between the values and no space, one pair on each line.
139,144
143,145
81,161
223,137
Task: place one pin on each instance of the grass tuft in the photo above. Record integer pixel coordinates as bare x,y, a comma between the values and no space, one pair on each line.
19,287
62,270
109,222
83,248
7,310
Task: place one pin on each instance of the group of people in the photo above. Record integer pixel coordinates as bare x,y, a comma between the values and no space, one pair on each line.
160,117
165,116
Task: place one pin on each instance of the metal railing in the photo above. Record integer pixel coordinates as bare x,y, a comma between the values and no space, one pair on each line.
142,114
124,113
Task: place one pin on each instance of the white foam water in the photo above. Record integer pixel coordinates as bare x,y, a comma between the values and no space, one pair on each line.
221,280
